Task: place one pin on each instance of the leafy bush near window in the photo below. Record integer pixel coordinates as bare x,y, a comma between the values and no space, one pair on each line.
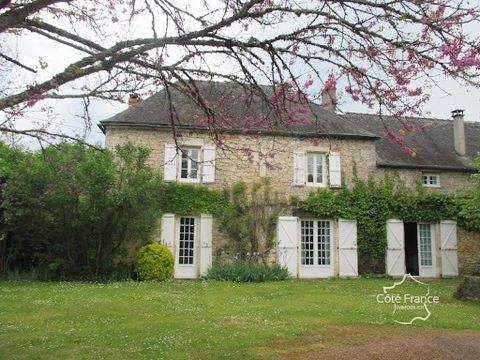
246,272
154,262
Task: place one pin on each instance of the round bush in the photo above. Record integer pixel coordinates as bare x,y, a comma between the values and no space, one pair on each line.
154,262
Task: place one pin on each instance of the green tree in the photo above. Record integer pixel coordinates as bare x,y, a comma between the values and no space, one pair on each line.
470,204
70,210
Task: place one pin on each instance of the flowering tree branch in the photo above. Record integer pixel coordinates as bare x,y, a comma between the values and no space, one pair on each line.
380,52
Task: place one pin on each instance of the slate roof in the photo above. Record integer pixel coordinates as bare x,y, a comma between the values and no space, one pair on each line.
155,112
434,146
435,149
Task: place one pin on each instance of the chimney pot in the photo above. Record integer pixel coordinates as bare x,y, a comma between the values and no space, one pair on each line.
329,96
459,132
134,99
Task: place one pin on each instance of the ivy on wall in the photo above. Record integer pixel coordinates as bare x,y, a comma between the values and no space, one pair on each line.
184,199
371,204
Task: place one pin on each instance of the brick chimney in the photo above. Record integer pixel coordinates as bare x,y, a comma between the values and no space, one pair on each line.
329,96
134,99
459,132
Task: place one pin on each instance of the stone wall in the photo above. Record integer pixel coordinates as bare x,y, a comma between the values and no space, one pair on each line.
468,252
451,182
233,164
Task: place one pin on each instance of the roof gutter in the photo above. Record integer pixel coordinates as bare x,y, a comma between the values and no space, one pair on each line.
427,167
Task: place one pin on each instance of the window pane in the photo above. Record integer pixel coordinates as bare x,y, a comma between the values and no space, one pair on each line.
307,252
319,164
187,241
310,168
425,239
194,172
184,170
323,242
194,154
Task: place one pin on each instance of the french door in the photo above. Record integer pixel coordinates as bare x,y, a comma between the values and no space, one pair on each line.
316,249
186,248
426,250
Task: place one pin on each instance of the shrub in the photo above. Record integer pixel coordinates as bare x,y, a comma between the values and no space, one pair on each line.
154,262
246,272
69,210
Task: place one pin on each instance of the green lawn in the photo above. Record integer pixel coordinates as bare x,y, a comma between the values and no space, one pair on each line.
195,319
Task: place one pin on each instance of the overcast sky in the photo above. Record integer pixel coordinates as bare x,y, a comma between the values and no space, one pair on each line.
30,47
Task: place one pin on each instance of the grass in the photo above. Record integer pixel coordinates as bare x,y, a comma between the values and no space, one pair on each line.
197,319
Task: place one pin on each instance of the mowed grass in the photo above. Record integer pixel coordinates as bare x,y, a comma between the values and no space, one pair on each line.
196,319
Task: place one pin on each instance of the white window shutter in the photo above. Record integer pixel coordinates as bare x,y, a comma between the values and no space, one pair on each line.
395,261
287,254
299,168
168,231
448,250
206,222
334,167
208,173
348,259
170,164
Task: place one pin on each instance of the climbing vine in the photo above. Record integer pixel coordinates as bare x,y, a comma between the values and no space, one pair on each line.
249,223
371,204
184,199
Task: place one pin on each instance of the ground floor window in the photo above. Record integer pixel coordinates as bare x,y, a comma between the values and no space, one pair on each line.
315,242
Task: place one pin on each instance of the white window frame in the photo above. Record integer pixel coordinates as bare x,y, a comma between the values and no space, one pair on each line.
315,182
186,232
187,150
316,257
428,178
425,245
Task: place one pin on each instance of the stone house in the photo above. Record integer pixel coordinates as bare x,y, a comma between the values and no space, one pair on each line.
320,154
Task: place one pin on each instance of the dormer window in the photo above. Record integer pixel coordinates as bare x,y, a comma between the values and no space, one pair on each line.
431,180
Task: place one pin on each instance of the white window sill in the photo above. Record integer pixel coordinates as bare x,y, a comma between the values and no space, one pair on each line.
189,181
318,185
431,186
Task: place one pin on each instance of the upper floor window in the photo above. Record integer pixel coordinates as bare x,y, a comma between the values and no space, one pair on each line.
190,163
310,168
431,180
316,169
189,169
